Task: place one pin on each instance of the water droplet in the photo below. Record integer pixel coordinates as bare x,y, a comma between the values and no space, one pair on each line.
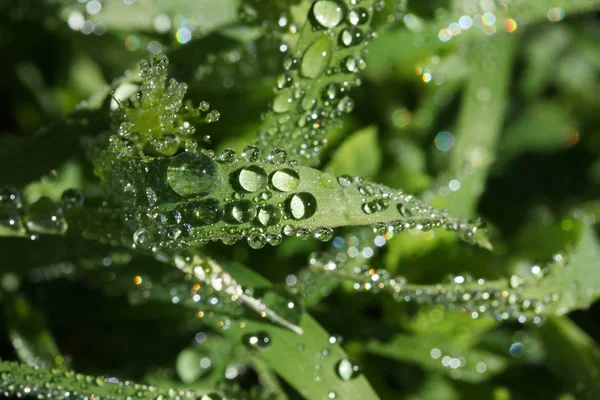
251,179
358,16
227,156
274,239
346,104
251,153
193,174
328,13
45,216
406,210
204,106
141,238
277,156
204,212
213,116
347,370
351,37
72,198
257,241
285,180
239,212
302,205
269,215
345,181
258,341
316,58
324,234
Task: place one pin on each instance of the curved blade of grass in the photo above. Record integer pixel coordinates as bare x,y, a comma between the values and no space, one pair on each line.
299,359
22,380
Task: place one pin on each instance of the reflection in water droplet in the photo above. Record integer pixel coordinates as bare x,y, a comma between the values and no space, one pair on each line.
328,13
285,180
251,153
251,179
302,205
257,341
239,212
205,212
358,16
347,370
269,215
193,174
351,37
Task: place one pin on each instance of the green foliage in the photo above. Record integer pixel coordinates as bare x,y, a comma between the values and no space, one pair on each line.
121,216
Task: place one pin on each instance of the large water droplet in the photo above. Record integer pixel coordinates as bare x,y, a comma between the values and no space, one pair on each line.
240,212
205,212
347,370
258,341
251,179
193,174
269,215
328,13
316,59
302,205
45,216
285,180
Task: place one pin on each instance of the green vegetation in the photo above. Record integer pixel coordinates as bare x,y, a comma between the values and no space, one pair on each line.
299,199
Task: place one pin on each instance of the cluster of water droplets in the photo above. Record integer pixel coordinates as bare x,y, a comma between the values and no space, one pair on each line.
42,217
21,380
200,196
502,299
156,120
312,92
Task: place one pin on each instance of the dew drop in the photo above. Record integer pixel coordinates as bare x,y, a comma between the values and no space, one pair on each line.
277,156
45,216
227,156
251,179
302,205
251,153
257,241
406,210
351,37
257,341
324,234
345,180
358,16
346,104
193,174
328,13
269,215
347,370
141,238
205,212
204,106
239,212
316,58
285,180
72,198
